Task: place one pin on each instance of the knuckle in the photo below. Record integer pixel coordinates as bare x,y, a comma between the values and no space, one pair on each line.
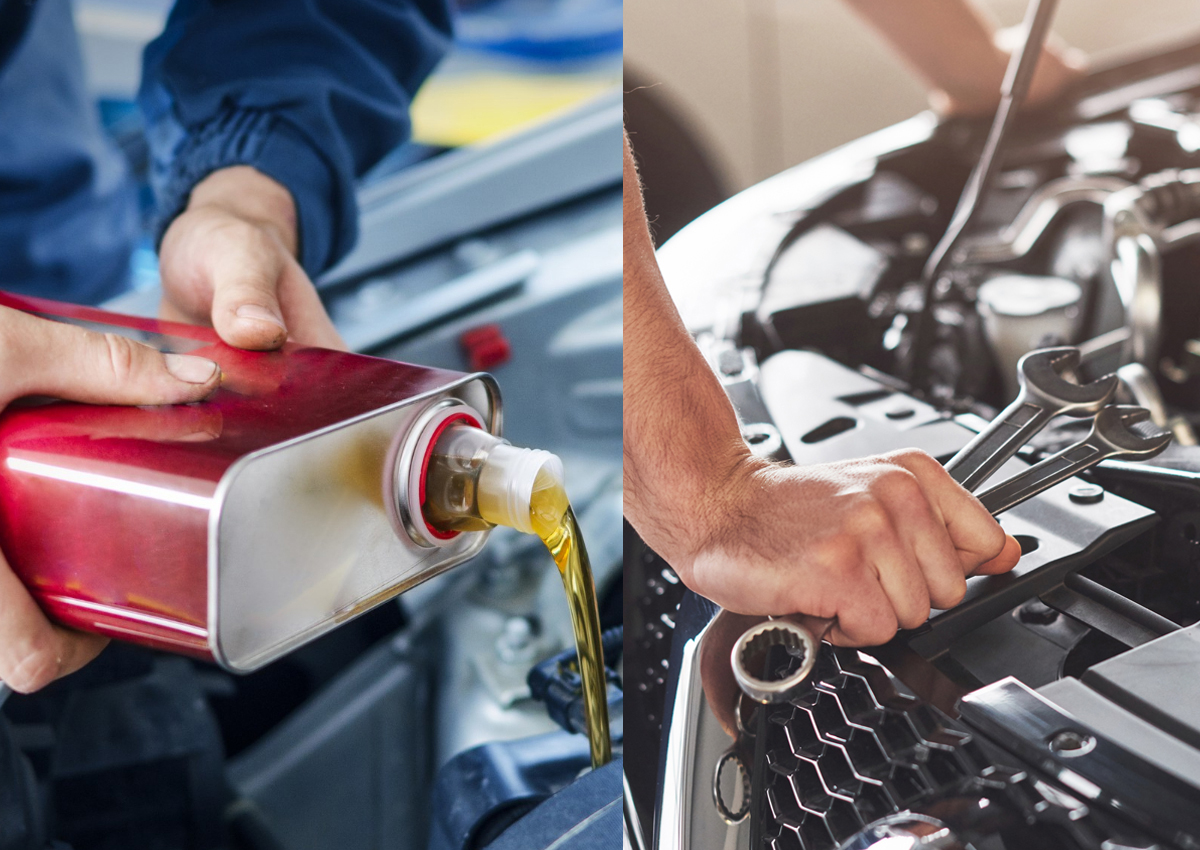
899,483
952,592
912,603
868,617
914,615
986,542
918,462
999,538
234,229
904,456
880,632
921,459
870,519
836,552
122,356
249,239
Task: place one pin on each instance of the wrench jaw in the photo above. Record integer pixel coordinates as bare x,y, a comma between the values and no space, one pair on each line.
1118,431
1131,432
1047,389
1048,379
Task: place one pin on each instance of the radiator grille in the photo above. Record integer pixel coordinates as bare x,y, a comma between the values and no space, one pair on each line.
850,749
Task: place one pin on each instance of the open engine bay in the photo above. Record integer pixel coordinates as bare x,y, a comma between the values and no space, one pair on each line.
1059,705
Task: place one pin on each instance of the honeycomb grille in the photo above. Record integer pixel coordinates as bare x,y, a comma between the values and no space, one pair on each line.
849,749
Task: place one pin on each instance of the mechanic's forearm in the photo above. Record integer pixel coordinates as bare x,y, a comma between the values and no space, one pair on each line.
948,43
682,443
954,48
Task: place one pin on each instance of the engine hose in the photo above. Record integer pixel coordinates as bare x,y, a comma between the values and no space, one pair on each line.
1170,197
1138,223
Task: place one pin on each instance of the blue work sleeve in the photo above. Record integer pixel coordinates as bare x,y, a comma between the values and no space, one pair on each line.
310,92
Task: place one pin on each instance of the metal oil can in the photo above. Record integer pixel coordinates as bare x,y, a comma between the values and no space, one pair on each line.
240,527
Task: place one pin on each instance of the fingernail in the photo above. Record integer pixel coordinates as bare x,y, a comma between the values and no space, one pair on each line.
194,370
197,437
259,314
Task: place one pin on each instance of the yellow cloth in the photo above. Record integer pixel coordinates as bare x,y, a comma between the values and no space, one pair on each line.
462,109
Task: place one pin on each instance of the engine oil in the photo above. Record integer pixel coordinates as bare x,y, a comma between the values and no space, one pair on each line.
477,481
565,543
240,527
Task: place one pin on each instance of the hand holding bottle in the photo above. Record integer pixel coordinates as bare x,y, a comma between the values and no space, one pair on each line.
229,260
41,357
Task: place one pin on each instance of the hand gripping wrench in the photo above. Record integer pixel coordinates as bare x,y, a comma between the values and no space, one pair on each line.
1117,431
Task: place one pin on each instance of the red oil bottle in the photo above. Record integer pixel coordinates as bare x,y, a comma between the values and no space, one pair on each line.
240,527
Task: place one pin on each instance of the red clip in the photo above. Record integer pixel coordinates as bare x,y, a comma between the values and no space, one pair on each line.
486,348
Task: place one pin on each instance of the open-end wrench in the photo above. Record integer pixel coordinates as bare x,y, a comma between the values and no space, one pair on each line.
1117,432
1045,393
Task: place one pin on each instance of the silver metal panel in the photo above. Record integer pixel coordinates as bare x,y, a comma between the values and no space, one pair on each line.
1117,724
687,816
804,390
378,325
302,539
473,188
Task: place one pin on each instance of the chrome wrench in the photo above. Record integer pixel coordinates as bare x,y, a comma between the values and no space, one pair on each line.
799,633
1045,393
1117,432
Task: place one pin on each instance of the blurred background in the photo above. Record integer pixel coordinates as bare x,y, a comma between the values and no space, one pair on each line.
514,63
760,85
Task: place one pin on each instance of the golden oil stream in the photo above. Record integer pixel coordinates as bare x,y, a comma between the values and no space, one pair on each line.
554,521
455,503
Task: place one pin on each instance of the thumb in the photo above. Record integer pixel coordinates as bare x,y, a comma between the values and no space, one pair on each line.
245,267
51,358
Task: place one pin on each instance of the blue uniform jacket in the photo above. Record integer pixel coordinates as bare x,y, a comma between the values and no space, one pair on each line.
310,92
